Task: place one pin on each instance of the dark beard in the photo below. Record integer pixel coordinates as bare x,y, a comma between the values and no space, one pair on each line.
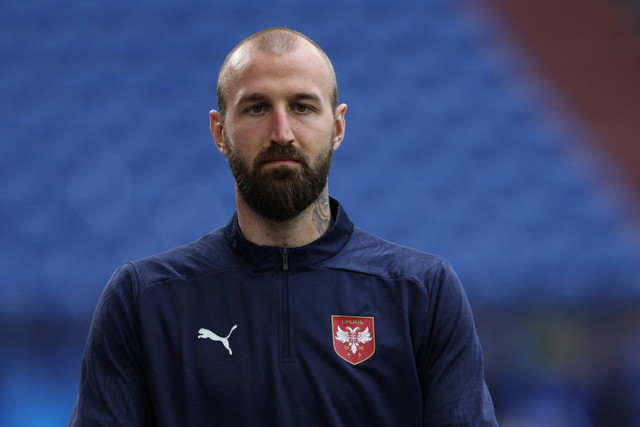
280,193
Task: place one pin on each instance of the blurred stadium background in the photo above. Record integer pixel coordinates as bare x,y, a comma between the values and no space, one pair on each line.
503,135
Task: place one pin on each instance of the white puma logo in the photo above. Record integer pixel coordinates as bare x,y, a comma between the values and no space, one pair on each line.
205,333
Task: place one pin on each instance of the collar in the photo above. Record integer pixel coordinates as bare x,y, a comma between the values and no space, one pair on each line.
314,253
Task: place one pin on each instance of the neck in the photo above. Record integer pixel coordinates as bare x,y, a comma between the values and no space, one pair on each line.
301,230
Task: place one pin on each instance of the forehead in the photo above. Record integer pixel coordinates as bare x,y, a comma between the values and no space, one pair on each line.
302,69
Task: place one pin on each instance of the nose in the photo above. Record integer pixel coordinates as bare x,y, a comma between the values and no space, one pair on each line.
281,132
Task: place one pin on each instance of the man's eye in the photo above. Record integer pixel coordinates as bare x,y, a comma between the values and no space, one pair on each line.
301,108
256,109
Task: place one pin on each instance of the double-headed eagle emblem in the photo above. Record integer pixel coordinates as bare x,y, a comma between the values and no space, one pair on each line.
352,338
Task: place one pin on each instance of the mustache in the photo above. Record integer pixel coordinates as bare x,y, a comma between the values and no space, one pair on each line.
276,151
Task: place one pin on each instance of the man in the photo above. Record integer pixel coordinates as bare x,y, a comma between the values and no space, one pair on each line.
288,315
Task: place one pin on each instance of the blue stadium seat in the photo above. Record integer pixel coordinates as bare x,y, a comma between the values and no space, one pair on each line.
448,148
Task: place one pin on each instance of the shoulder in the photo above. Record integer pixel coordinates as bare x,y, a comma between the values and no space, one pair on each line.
209,254
373,255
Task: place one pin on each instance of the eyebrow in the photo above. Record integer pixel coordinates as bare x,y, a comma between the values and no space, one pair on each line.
257,96
306,97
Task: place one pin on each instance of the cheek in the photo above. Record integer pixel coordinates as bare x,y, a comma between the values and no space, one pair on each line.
318,134
244,151
323,151
249,134
240,141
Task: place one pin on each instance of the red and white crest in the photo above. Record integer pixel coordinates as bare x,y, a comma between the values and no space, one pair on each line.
354,338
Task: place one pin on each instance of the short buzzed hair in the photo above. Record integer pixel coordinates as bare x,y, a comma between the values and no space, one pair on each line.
274,41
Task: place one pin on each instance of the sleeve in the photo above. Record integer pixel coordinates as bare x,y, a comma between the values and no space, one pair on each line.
451,366
113,390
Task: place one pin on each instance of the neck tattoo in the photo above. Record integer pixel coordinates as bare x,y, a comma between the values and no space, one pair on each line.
322,213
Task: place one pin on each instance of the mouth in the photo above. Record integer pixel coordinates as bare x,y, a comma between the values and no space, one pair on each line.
280,161
280,156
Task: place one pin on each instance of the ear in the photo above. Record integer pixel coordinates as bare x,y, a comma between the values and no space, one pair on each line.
340,126
216,124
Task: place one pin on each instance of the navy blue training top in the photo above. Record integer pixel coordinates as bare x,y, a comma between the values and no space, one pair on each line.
349,330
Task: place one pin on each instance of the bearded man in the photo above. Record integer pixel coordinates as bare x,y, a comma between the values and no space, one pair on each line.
289,314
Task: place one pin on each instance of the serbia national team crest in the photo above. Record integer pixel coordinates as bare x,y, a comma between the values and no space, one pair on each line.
354,338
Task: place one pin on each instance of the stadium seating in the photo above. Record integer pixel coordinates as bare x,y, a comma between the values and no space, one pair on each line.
453,146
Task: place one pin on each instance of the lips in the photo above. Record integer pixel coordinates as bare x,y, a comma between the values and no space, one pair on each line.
278,155
280,160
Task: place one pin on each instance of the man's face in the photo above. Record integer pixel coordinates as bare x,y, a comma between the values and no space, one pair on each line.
280,131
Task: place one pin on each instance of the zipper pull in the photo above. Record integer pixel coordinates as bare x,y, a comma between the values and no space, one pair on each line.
285,260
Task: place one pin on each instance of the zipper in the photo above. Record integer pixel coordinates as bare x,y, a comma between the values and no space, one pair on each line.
285,260
285,344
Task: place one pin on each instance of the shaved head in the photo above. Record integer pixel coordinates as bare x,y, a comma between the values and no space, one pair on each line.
272,41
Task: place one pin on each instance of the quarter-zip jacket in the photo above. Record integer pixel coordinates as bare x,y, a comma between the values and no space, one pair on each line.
225,332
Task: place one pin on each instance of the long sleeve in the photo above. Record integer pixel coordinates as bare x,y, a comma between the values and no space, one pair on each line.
452,365
112,388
